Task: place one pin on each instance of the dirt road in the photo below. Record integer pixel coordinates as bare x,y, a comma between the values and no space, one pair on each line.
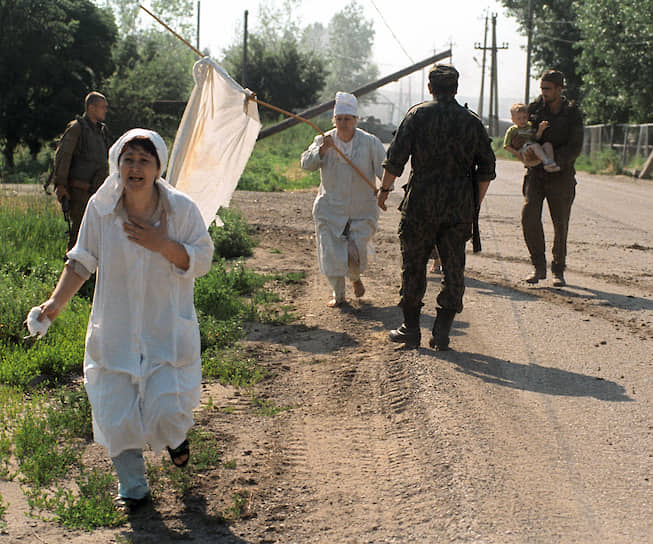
537,428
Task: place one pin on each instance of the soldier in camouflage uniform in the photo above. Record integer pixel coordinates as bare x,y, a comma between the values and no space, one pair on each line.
565,133
80,161
449,147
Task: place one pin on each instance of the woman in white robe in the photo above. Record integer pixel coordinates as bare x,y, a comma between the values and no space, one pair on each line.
147,242
345,210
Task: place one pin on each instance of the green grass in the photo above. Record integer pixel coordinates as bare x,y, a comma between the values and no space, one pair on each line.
27,169
267,408
45,422
607,162
274,163
3,511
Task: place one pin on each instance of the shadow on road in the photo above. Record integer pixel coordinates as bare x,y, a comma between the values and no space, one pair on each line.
193,523
534,377
603,298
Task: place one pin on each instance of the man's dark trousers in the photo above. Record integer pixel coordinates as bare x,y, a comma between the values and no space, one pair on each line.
559,190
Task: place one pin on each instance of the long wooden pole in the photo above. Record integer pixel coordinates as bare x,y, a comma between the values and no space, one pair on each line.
289,114
265,104
199,53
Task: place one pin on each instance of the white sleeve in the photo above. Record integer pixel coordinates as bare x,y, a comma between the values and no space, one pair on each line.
311,159
87,248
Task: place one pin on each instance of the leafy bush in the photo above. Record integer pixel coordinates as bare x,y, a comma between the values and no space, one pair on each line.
232,239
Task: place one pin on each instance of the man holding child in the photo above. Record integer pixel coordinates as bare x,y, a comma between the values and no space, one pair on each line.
563,130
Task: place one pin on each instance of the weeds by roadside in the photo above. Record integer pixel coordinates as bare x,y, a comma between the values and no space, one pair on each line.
45,421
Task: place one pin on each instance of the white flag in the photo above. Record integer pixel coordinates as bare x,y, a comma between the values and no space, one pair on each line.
214,140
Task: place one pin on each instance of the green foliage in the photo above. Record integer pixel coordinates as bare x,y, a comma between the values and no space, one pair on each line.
267,408
230,368
151,66
88,508
33,234
232,239
617,74
41,459
52,53
555,38
605,162
279,71
26,168
3,512
274,164
31,256
349,52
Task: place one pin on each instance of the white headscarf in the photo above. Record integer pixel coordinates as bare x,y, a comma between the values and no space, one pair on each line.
110,191
346,104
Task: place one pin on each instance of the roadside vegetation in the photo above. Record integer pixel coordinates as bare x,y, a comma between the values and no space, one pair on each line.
607,162
45,416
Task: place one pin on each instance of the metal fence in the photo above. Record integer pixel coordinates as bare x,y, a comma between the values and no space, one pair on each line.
629,141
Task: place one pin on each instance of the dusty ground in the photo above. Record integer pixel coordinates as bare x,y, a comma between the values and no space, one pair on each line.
537,428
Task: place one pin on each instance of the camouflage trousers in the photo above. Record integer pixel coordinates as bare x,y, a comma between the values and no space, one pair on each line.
417,239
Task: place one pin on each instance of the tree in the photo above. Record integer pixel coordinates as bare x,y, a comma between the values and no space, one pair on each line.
153,75
349,53
616,70
555,37
278,69
151,83
52,53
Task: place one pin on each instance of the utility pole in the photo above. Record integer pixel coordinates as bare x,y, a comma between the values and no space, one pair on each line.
527,92
484,48
493,114
197,40
243,78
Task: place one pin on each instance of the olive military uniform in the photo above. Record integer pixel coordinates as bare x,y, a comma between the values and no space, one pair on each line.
565,133
80,165
446,143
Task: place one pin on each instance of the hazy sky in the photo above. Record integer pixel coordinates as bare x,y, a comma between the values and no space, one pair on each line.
421,26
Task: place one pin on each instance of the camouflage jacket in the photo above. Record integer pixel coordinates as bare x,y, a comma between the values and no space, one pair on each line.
565,132
82,153
447,144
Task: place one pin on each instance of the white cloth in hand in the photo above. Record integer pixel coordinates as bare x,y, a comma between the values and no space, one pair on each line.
34,326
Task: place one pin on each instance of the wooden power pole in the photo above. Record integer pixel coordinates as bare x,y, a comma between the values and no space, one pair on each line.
493,114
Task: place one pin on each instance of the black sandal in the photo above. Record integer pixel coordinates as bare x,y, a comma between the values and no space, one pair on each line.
179,451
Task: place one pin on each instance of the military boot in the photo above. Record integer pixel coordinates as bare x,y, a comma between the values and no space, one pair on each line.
538,274
441,329
408,333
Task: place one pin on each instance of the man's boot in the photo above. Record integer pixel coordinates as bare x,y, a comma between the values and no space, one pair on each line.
559,275
408,333
441,329
538,274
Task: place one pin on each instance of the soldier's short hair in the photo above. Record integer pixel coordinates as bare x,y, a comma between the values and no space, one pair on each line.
443,79
518,107
554,76
93,98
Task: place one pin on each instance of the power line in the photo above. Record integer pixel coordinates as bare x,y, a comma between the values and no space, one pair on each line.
391,32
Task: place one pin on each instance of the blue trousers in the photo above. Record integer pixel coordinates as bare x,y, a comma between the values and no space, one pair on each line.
130,467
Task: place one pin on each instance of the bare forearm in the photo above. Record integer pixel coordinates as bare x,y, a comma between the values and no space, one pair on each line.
482,189
68,284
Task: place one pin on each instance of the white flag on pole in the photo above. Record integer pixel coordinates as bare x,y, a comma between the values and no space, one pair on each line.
214,140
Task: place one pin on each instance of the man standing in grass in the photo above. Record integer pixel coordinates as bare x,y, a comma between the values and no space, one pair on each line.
80,162
565,133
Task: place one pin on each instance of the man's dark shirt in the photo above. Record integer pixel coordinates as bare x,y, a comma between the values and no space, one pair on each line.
565,131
